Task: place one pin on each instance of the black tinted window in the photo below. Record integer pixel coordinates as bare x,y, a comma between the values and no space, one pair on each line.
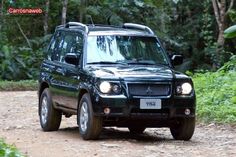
72,43
54,50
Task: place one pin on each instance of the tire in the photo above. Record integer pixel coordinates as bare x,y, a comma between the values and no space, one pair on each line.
136,129
183,129
50,118
90,126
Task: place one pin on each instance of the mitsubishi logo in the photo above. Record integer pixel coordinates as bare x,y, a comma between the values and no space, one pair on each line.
149,91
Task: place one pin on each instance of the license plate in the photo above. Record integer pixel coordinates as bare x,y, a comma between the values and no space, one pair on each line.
150,103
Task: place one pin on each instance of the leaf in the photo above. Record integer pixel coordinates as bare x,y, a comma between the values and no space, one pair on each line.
19,60
230,32
233,99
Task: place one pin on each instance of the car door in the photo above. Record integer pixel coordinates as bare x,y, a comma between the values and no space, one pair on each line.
56,67
68,75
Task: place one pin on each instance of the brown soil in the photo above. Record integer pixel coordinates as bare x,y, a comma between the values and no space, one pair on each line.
19,125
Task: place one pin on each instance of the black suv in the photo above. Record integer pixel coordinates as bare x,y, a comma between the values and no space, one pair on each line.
114,76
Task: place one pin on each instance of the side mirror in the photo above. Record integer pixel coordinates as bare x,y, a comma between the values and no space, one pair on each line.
72,58
176,59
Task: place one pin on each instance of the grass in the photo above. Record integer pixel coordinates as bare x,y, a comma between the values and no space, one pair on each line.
216,94
8,150
18,85
216,97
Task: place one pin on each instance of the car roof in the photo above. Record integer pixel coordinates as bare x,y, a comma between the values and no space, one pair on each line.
108,29
113,30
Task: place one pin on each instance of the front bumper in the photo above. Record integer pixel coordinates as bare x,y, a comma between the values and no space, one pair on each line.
121,106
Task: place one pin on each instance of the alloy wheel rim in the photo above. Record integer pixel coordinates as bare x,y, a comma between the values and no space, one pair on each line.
44,110
84,116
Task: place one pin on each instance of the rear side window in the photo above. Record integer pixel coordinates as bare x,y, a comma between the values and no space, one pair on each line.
54,50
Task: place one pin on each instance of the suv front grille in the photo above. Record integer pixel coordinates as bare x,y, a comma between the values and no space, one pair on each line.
149,89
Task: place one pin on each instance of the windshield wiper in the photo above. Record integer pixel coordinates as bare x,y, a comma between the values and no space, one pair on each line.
105,62
143,62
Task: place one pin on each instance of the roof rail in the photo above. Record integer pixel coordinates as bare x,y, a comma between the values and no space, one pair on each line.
60,26
138,26
77,24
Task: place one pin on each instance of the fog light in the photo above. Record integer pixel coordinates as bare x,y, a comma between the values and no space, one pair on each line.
187,111
107,110
179,90
116,89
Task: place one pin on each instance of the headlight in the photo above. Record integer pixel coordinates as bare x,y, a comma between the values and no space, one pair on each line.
185,88
105,87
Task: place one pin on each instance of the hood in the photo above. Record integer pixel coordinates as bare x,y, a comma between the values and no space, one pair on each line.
126,72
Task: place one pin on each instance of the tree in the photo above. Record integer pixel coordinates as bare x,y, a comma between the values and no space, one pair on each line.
1,14
64,10
220,11
45,21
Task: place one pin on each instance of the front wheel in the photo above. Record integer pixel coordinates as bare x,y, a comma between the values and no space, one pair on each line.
90,126
183,129
50,118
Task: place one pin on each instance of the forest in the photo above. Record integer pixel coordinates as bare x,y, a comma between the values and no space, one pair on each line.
202,31
192,28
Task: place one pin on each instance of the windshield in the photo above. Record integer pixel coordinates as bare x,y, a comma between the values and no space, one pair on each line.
124,49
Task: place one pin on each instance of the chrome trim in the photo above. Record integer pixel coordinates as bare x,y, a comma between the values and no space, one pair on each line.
138,26
113,96
77,24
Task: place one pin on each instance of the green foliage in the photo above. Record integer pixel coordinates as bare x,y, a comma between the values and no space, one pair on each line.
18,63
186,27
232,15
230,32
8,150
216,94
22,85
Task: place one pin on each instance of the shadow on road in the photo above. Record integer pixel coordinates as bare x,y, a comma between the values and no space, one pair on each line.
113,134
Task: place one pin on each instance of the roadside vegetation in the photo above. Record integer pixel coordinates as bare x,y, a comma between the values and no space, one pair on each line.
216,94
23,85
8,150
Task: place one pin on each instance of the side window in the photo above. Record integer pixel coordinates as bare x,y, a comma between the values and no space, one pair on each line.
58,46
77,46
73,43
51,47
54,50
68,40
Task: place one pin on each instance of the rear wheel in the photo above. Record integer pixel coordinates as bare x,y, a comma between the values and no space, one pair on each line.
136,129
90,126
50,118
183,129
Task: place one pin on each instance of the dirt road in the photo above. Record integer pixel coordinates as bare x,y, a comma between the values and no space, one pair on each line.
19,125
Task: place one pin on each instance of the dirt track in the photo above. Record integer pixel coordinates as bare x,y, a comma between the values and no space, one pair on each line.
19,125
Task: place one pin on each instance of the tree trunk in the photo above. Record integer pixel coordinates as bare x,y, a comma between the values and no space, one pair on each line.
45,21
81,11
220,11
1,12
64,10
1,15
